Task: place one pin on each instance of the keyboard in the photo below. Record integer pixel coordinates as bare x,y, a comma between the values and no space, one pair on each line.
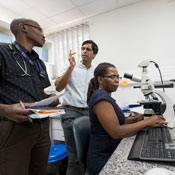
154,144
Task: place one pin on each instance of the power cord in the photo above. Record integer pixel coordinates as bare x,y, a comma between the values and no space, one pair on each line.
157,66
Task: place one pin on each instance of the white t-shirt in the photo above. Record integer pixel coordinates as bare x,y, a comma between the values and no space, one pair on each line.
77,87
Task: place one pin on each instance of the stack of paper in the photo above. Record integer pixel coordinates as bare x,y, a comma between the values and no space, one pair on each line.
45,112
40,111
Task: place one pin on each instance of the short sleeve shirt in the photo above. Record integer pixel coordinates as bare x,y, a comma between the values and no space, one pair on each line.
13,85
96,97
77,86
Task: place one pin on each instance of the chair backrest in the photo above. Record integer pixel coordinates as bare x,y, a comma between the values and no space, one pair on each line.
81,130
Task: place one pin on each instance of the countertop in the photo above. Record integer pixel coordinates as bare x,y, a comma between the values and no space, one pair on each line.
119,165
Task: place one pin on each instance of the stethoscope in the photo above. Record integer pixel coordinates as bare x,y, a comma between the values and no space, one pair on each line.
16,55
24,69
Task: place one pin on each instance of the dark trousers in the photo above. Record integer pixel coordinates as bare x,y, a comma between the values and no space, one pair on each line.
67,120
24,148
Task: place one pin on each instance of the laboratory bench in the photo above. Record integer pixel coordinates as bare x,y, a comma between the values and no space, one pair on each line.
119,165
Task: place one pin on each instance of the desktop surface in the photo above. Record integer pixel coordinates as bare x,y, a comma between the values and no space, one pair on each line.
118,164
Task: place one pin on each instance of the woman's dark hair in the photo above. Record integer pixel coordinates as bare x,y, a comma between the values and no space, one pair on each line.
94,45
99,71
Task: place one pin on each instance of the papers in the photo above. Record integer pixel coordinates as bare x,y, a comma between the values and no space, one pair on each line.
48,101
45,112
40,110
139,110
129,112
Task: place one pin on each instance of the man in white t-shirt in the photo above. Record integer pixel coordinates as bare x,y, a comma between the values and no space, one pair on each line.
75,80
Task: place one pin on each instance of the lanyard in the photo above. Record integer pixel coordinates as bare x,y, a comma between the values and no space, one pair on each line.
18,47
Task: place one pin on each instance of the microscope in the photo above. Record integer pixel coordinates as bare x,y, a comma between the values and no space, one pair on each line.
156,101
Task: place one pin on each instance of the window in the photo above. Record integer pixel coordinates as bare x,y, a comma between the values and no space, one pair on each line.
63,41
43,53
5,38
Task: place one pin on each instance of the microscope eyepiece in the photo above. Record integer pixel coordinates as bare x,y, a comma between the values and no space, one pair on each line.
128,76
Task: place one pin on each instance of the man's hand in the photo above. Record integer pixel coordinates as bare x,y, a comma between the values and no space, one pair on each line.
72,59
16,113
62,81
53,104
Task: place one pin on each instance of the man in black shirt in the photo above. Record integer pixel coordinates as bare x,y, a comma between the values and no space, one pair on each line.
24,146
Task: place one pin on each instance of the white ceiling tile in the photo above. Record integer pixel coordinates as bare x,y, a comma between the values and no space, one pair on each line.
7,1
123,3
22,9
46,23
82,2
68,16
98,6
53,13
51,7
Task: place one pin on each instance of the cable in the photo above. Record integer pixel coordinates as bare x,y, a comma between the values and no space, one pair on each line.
157,66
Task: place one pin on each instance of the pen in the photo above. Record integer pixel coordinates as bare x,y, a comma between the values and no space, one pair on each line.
22,104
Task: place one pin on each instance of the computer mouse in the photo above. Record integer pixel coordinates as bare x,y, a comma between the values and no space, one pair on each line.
159,171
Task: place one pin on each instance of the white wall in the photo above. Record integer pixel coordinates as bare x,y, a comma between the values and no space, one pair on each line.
4,28
128,35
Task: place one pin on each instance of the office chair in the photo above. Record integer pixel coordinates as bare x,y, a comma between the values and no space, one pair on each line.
81,130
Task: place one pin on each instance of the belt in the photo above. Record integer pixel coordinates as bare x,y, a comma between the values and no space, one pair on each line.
73,107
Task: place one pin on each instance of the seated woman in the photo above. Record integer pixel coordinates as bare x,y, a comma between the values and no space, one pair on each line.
108,123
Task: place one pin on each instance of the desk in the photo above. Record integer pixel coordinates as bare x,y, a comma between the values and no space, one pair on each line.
119,165
56,130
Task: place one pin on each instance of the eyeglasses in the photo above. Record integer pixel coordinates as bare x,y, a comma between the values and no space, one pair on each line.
88,49
113,77
38,28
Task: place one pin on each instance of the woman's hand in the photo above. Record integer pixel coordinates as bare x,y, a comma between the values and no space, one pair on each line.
134,119
139,117
155,121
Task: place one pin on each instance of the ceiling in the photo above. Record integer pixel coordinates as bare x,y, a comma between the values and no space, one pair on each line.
53,14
